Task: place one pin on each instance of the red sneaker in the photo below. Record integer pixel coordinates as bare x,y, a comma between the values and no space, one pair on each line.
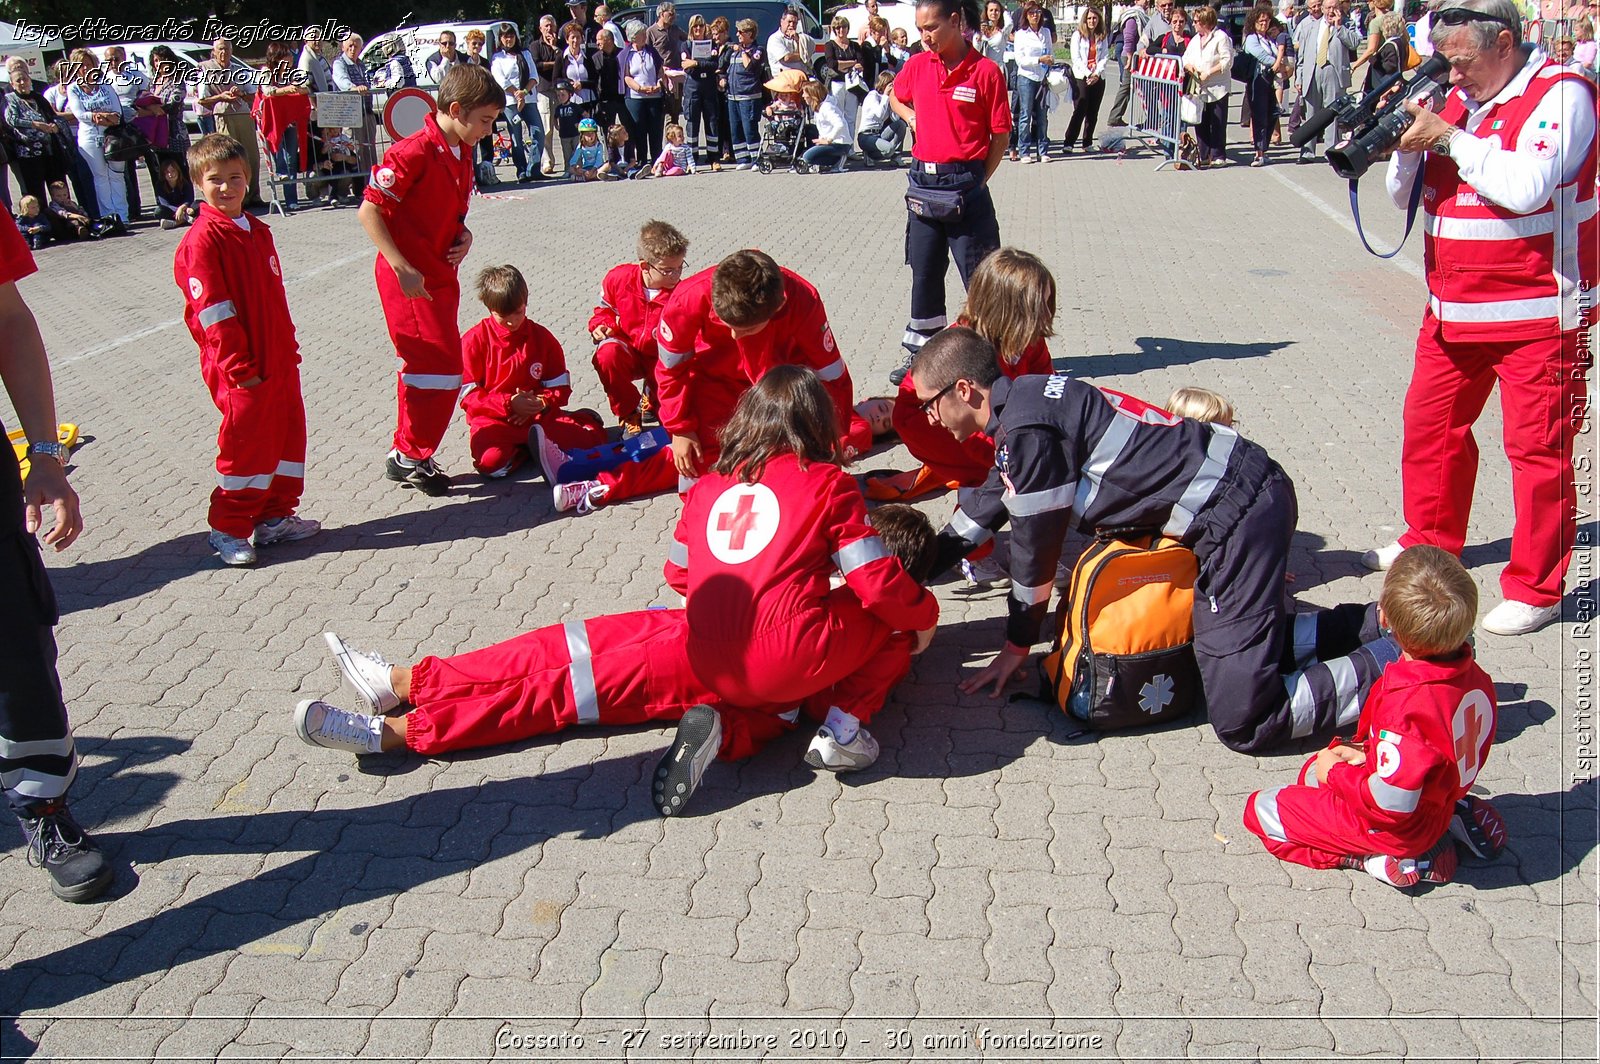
1479,827
1395,871
1438,865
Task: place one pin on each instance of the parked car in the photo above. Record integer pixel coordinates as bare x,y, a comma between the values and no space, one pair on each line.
422,44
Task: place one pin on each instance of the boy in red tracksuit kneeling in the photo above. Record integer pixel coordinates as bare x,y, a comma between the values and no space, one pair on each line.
623,326
237,311
515,382
721,330
415,213
626,668
1394,800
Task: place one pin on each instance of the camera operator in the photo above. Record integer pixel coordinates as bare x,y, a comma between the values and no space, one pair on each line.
1512,250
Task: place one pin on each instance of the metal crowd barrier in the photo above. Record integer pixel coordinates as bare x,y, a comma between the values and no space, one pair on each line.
339,110
1157,87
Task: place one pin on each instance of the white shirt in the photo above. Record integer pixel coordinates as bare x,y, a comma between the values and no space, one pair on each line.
508,72
830,124
874,112
779,46
316,68
1029,47
1080,56
642,68
1520,180
130,83
1420,41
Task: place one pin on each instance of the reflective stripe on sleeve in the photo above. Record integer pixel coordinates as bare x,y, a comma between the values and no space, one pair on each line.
1031,596
1030,504
969,530
1391,798
581,673
1205,481
672,359
678,554
832,371
563,381
853,556
1267,814
216,313
431,382
1111,444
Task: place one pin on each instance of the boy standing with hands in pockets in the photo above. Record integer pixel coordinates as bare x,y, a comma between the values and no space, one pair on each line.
415,213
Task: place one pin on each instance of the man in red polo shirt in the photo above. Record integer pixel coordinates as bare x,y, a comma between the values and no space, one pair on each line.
955,101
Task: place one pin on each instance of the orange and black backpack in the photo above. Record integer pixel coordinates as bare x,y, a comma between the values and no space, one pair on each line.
1124,657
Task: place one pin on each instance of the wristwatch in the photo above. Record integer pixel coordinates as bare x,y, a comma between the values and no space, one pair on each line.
50,448
1442,145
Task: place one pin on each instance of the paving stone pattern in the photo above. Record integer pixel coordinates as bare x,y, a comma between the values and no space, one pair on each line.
990,889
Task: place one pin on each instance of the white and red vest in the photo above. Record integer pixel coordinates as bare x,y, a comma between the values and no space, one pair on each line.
1494,274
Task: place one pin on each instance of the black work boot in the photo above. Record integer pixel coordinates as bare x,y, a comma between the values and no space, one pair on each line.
57,844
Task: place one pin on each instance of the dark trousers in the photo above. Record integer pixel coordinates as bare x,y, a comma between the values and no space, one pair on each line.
931,244
31,710
1212,132
646,116
702,105
130,181
1263,112
1119,105
1085,113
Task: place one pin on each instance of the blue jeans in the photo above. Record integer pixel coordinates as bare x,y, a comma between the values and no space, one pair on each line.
515,117
1031,117
286,161
744,124
821,155
884,144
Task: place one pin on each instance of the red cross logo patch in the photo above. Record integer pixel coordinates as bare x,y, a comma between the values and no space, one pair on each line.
742,522
1542,148
1472,724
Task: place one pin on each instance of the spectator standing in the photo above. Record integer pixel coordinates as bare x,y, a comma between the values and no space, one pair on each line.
350,75
225,94
702,102
475,40
1381,60
1129,32
132,84
788,48
1512,263
546,55
668,41
954,101
644,77
38,760
1034,47
604,24
841,59
1268,46
1091,54
439,63
1325,46
36,158
606,61
283,114
743,72
97,107
169,85
513,67
721,31
578,12
72,160
312,63
1208,59
573,67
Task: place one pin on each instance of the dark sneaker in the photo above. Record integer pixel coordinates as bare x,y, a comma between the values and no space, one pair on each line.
1438,865
1478,826
898,374
58,845
681,767
424,475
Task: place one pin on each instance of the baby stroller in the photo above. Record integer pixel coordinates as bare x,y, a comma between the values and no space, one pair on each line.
782,142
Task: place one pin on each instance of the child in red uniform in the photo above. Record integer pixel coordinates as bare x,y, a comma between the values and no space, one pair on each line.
1394,799
1011,302
415,213
236,309
721,330
515,382
628,668
759,537
623,326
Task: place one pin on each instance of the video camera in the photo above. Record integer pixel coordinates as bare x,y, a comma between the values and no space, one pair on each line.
1373,124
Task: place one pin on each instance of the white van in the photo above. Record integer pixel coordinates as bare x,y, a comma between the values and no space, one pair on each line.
422,45
190,55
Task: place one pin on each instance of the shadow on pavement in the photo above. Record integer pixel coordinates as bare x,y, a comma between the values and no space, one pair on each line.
1161,352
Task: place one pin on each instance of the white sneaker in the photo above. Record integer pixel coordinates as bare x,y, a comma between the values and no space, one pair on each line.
580,495
328,726
1519,618
829,753
551,458
1380,559
231,549
285,530
986,573
367,674
681,768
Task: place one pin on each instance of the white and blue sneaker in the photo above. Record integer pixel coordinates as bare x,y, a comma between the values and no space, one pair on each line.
231,549
286,530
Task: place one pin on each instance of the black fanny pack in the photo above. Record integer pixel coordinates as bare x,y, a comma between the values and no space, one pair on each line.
936,204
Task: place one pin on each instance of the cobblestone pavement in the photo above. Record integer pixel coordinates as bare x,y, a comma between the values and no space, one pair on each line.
990,888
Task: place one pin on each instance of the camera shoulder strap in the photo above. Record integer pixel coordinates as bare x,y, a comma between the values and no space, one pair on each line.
1411,217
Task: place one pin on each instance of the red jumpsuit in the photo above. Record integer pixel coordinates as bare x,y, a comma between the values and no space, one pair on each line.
765,631
1509,298
965,462
1426,729
628,668
629,353
703,371
496,365
237,311
422,188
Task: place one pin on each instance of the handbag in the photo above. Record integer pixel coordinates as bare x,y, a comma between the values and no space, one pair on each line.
124,142
936,204
855,83
1190,109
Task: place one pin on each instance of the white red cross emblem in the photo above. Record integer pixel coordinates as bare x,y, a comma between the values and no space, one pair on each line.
742,522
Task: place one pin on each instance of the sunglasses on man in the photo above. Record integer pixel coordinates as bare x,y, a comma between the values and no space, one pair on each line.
1460,16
